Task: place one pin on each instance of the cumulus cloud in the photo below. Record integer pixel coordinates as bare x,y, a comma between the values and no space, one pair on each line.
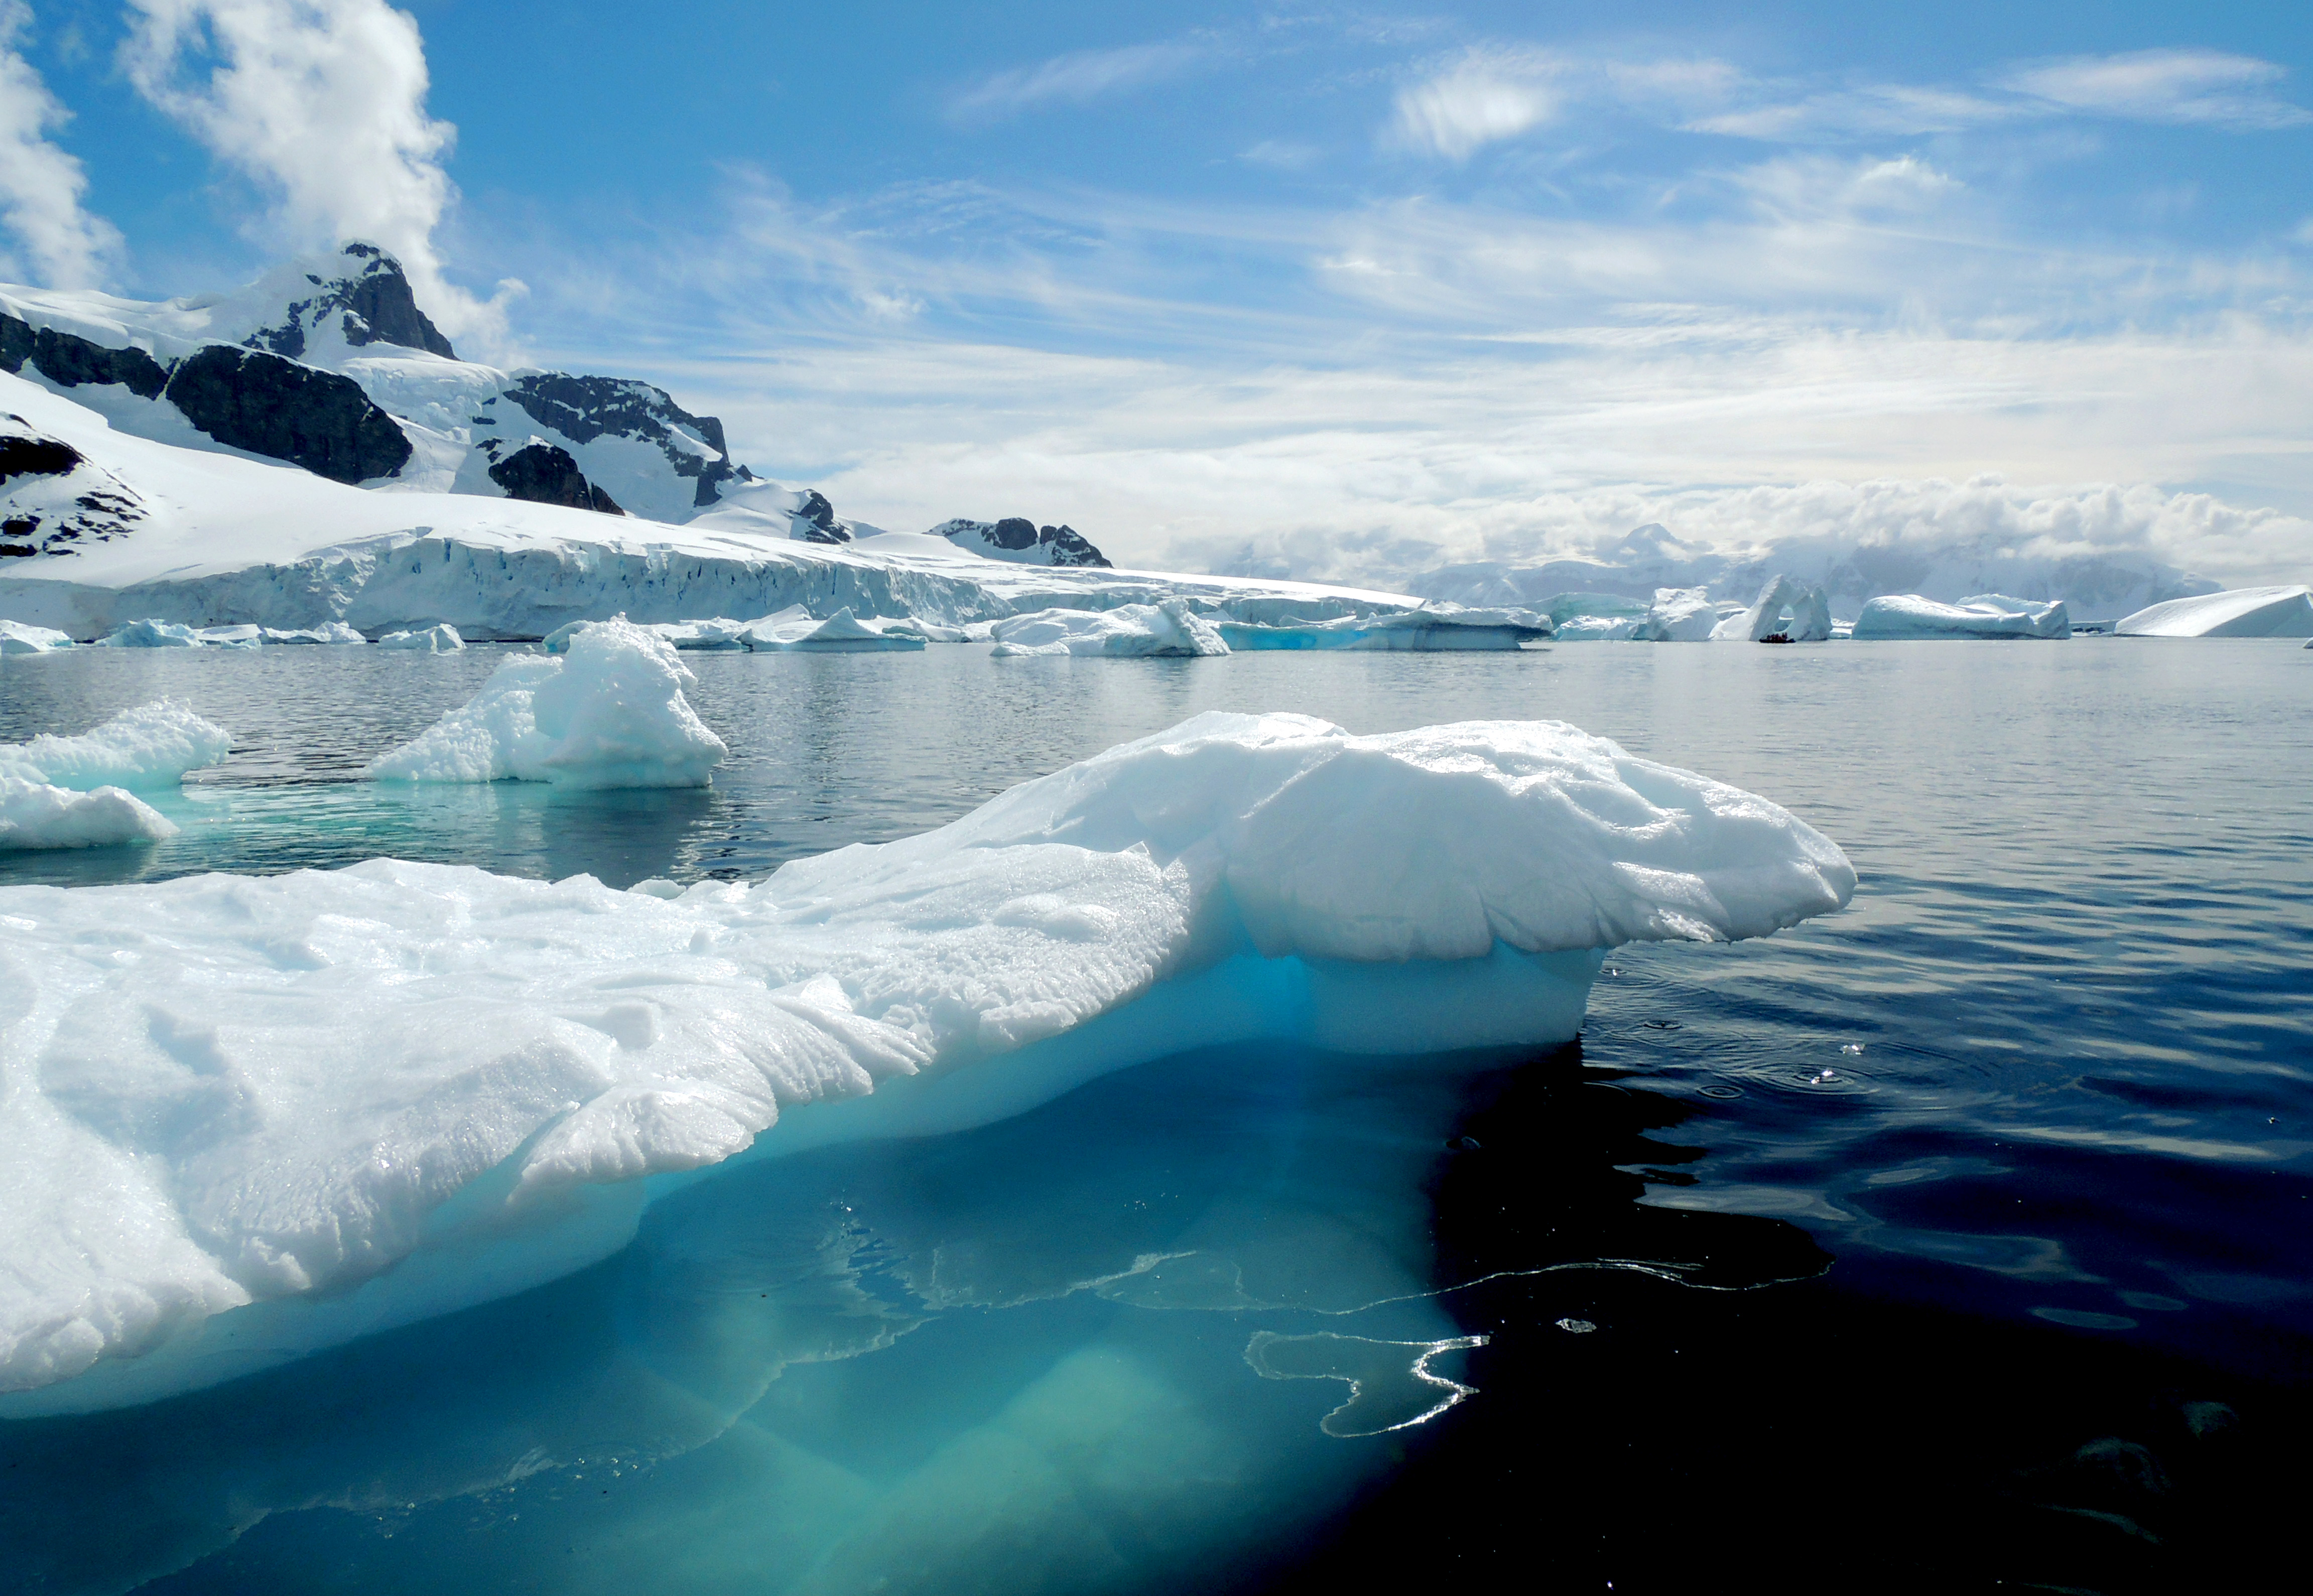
321,103
2166,87
42,186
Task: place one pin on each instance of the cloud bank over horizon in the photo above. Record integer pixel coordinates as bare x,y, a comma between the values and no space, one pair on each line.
1323,298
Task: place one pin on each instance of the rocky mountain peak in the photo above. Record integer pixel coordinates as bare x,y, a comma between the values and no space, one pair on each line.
365,289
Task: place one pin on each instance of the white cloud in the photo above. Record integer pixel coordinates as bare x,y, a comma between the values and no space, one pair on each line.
42,186
1080,77
1481,98
322,104
2166,87
1888,109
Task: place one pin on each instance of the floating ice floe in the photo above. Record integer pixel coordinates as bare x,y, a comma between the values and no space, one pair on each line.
1786,608
794,631
1600,628
1134,631
1983,615
2238,612
152,745
334,632
439,638
35,815
246,1117
1428,628
18,636
1683,615
608,712
150,634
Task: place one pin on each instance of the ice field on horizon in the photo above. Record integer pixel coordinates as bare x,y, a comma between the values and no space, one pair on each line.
538,1061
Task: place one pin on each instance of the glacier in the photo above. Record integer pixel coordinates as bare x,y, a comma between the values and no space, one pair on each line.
2237,612
1978,616
606,711
249,1117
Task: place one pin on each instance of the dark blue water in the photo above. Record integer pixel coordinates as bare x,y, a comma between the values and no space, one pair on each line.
1954,1240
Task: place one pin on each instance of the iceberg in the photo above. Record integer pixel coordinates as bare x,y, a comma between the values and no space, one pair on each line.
1130,631
1682,615
441,637
607,712
330,631
244,1118
2237,612
794,630
150,634
1426,628
1983,615
1600,628
17,637
34,815
1787,608
152,745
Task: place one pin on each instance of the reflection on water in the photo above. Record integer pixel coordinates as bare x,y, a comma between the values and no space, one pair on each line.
989,1360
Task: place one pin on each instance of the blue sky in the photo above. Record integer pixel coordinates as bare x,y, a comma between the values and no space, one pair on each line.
1332,291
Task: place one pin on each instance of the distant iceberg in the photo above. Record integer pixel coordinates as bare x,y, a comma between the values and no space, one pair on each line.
152,745
441,637
1981,615
150,634
1682,615
1786,608
794,631
329,1102
608,712
2238,612
17,637
1424,628
1130,631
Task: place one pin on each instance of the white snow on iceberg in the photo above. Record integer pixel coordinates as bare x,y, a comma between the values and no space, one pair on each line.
2238,612
16,638
1134,631
1786,608
1981,616
336,1101
608,712
152,633
34,815
441,637
1683,615
152,745
1424,628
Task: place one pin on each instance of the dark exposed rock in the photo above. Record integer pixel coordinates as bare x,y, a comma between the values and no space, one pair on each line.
545,474
274,406
68,360
376,302
584,409
818,517
1013,531
1070,546
35,454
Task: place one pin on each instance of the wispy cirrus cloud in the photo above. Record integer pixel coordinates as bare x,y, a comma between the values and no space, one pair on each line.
1081,77
2213,87
1488,93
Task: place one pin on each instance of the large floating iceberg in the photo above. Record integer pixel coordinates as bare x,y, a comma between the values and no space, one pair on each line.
2238,612
1424,628
152,745
1981,615
608,712
1130,631
246,1117
1682,615
16,638
1786,608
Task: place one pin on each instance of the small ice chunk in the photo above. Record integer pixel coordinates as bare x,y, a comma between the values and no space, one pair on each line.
152,745
1130,631
440,638
18,636
34,815
1575,1327
608,713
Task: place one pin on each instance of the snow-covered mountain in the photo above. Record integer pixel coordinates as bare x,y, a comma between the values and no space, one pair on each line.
330,363
2102,587
1022,541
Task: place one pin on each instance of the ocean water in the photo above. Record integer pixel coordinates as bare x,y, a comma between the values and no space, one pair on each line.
1963,1238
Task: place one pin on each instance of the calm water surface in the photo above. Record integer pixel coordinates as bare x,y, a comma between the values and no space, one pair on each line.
1957,1239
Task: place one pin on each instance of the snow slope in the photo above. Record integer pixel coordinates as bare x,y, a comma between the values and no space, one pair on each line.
242,1118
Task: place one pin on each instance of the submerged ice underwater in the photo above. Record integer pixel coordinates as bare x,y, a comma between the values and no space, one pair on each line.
538,1235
